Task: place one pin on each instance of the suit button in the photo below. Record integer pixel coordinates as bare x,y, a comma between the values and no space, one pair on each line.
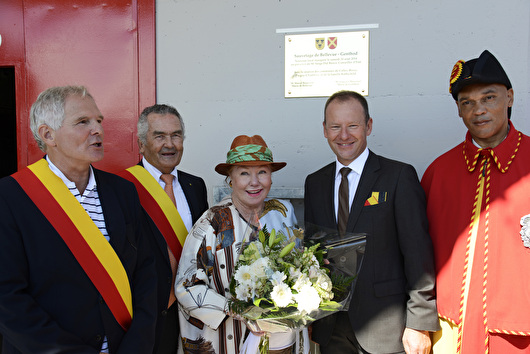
222,266
98,338
169,280
229,337
164,313
101,301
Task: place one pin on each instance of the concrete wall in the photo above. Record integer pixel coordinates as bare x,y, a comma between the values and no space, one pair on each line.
221,64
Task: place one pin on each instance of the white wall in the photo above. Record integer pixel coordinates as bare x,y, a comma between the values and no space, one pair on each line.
221,64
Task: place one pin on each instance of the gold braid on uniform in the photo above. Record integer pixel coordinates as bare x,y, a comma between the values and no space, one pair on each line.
274,204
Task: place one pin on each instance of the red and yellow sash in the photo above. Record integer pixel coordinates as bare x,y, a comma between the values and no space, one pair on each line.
86,242
159,207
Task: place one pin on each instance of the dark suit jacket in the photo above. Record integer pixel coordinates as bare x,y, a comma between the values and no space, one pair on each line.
395,287
47,302
195,191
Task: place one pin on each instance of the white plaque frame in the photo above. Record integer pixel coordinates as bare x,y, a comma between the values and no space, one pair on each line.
319,64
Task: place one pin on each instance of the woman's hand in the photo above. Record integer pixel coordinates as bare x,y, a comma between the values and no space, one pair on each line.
257,334
238,317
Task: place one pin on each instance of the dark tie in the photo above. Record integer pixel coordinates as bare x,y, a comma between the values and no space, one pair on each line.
168,188
344,205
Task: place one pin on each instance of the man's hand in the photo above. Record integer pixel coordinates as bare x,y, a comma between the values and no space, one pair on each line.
416,342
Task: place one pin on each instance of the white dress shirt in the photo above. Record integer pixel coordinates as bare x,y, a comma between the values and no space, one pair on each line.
182,203
354,176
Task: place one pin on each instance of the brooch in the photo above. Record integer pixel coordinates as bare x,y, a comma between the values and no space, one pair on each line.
525,230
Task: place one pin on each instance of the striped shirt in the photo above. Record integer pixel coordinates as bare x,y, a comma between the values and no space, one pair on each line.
92,205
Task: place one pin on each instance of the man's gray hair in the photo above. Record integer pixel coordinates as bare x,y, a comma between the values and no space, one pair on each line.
48,109
143,126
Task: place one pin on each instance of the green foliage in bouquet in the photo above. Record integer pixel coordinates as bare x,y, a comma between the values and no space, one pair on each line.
275,279
341,285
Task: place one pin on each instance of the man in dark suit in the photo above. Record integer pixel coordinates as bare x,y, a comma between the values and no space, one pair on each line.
173,199
76,273
393,306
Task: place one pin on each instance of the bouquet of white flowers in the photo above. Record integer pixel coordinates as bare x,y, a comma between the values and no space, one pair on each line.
280,286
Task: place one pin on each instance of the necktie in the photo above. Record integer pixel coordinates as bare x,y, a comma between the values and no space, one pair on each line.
167,178
344,198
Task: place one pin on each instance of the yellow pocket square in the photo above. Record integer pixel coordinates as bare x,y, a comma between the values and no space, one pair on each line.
376,198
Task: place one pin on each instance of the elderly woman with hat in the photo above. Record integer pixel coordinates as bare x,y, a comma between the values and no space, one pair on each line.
211,251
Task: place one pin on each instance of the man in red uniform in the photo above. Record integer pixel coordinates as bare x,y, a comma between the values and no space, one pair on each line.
478,205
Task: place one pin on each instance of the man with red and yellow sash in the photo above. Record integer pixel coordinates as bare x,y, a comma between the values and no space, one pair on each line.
173,199
76,274
478,206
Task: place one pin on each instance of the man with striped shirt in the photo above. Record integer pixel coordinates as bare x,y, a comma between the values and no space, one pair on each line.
76,272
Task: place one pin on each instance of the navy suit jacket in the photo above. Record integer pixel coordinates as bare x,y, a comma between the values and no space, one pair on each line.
47,302
395,287
195,191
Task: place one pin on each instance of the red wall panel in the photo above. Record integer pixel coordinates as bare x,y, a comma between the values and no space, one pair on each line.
12,32
91,43
12,55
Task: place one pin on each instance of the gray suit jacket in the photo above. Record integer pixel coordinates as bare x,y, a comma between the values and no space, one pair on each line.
395,287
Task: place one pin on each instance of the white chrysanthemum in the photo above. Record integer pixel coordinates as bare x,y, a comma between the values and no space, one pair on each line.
281,295
259,267
244,275
302,281
277,278
242,293
307,299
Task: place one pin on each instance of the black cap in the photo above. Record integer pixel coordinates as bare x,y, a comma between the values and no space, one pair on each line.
485,69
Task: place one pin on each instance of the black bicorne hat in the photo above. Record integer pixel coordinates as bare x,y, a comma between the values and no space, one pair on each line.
485,69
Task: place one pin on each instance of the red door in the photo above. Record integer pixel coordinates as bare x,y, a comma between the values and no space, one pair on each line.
107,46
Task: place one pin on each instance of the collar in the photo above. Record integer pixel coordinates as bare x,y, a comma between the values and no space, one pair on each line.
155,172
91,179
356,165
503,154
